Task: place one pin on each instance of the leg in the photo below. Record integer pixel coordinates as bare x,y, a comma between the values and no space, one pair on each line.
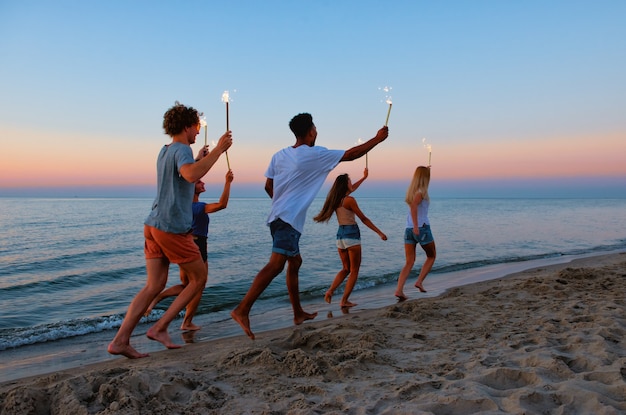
431,254
192,307
259,284
409,253
196,272
293,267
341,275
157,270
170,292
354,253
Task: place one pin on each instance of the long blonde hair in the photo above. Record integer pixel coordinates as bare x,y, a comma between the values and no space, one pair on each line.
419,183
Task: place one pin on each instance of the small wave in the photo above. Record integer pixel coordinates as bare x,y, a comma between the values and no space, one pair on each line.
12,338
219,298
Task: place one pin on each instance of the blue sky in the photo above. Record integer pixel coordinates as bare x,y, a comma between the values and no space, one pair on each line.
508,90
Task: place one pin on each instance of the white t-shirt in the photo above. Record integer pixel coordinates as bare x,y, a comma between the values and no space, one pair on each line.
298,174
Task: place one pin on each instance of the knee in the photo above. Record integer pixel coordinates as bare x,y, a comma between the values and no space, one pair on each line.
295,262
155,289
198,279
202,280
274,267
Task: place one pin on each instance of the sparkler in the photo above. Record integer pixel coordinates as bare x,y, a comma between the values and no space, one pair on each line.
359,141
388,111
429,147
203,124
225,99
388,101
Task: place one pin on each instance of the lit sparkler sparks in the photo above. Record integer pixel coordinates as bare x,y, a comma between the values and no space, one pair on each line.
387,89
429,147
203,124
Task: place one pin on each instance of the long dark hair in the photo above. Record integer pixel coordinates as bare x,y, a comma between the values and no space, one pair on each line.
337,192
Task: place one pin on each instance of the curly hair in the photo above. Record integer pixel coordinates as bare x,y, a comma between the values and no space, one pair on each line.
301,124
179,117
335,196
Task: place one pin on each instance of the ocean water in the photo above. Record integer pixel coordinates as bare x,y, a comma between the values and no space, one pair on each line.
70,267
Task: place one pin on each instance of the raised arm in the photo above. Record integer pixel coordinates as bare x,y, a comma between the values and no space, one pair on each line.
356,184
360,150
193,172
223,202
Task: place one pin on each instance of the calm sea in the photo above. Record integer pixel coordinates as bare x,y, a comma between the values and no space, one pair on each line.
70,267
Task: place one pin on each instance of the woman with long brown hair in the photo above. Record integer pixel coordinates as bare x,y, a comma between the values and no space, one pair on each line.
345,207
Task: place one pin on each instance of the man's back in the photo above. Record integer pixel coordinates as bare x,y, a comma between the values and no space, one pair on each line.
298,173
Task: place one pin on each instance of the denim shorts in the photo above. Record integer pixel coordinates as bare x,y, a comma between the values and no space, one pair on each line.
347,236
285,238
424,238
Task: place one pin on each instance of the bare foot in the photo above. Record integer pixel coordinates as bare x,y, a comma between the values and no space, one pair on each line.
420,287
244,322
125,350
348,304
189,327
401,297
302,317
162,337
328,296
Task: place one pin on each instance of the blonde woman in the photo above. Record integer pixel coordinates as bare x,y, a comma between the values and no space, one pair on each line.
417,231
345,207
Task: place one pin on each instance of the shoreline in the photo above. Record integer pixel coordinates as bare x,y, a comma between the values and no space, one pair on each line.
545,340
81,351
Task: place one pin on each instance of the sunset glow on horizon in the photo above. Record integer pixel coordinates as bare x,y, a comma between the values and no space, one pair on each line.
492,98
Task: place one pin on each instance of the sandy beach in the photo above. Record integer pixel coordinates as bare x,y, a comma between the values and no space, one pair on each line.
550,340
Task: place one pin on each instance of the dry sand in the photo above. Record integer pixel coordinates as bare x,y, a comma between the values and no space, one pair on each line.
550,340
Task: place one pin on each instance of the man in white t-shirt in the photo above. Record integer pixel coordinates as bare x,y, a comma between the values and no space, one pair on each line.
294,177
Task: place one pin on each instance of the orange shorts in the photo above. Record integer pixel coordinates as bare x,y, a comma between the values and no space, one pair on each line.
178,248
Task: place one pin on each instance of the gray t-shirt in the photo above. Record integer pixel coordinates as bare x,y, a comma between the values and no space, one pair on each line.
171,210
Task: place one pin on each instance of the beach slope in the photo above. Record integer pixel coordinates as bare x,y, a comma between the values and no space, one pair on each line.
550,340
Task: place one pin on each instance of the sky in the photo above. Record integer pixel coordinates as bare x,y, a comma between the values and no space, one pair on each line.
510,95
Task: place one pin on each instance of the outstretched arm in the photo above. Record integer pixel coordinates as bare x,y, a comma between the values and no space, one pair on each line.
360,150
356,184
350,204
223,202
